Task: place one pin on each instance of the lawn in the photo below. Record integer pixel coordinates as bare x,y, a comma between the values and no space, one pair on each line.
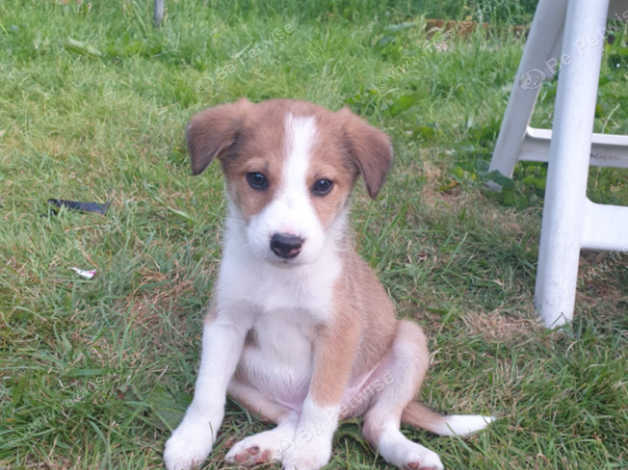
93,104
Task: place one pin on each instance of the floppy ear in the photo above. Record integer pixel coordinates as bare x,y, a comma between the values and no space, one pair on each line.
369,148
212,131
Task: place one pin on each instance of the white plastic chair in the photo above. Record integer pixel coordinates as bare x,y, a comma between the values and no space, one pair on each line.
565,34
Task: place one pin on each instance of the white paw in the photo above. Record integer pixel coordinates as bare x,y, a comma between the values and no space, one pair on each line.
189,445
405,454
262,448
417,457
307,454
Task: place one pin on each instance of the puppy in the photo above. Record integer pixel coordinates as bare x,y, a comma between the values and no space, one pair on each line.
300,331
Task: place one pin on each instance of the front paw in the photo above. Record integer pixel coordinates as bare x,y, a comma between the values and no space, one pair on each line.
307,454
261,448
190,444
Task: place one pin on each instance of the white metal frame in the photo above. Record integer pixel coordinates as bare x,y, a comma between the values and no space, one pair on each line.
568,34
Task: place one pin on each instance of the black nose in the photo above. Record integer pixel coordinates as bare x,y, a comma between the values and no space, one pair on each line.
286,245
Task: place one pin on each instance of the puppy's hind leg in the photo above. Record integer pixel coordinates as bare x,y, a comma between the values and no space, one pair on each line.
397,381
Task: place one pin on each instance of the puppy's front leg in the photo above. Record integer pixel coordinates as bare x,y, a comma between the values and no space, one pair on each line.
192,441
335,348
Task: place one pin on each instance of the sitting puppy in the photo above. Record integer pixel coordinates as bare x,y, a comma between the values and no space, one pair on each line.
300,331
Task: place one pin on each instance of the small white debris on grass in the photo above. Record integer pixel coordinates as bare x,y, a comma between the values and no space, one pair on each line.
87,274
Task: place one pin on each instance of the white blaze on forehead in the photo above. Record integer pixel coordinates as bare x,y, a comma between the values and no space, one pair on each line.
300,133
292,208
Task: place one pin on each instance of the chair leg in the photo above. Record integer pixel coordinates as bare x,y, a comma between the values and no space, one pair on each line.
159,13
563,218
539,63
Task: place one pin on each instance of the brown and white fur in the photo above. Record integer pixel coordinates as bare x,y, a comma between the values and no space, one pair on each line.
300,331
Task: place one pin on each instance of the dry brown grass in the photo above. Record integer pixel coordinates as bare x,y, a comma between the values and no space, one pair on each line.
498,327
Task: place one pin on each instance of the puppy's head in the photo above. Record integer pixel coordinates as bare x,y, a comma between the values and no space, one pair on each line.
290,167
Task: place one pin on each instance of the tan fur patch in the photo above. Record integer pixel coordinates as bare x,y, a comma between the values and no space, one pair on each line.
329,161
258,148
335,348
363,330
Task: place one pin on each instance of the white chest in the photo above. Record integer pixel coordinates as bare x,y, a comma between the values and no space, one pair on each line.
282,308
277,358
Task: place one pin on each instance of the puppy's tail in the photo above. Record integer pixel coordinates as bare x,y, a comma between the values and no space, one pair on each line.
418,415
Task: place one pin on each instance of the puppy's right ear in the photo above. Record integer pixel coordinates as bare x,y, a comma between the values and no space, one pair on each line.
212,131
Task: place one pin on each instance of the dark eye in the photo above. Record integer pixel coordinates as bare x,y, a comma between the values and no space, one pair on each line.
257,180
322,187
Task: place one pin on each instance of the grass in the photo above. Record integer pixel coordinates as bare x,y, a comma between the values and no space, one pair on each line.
93,103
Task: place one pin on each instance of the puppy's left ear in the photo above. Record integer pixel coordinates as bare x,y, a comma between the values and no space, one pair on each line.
369,148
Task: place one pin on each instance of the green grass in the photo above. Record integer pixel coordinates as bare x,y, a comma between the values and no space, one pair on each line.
93,103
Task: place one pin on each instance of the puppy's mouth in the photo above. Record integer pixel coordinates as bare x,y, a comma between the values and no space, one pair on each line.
286,263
